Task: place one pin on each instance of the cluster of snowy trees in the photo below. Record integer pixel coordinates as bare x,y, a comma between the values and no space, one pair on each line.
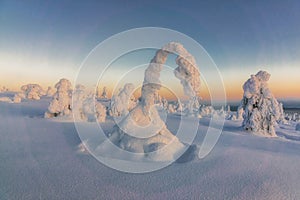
259,110
84,107
29,91
32,92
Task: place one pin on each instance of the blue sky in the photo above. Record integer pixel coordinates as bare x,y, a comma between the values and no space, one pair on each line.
49,39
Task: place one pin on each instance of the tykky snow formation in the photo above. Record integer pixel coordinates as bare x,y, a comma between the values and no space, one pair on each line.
261,109
142,130
61,102
29,91
123,101
84,107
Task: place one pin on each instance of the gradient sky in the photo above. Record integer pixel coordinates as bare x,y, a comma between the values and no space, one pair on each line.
43,41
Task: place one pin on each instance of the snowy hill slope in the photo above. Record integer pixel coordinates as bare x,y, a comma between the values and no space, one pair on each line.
39,160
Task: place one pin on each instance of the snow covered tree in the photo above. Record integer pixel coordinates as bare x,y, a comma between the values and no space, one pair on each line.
61,102
142,130
165,103
3,89
104,93
32,91
50,91
79,95
85,107
92,110
261,110
240,112
124,101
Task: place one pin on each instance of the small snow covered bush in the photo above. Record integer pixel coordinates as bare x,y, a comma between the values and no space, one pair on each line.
18,97
261,109
207,111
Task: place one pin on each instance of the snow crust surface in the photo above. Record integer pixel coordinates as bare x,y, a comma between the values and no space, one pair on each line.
39,160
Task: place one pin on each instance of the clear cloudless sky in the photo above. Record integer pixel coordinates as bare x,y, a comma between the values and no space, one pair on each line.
43,41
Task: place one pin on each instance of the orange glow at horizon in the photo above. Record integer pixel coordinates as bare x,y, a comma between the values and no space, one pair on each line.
234,91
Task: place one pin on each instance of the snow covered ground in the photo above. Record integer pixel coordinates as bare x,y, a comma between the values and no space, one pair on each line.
39,159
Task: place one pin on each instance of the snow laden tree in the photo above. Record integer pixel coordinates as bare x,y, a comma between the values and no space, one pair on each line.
32,91
3,89
124,101
104,93
50,91
61,101
29,91
142,130
85,107
261,109
79,95
93,110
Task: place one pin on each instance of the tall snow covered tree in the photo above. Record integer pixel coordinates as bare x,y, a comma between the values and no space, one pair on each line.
261,109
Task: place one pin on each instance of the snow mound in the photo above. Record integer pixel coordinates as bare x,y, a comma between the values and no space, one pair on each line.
6,99
261,109
18,97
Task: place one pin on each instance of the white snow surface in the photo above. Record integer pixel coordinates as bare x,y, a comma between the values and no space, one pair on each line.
6,99
40,160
